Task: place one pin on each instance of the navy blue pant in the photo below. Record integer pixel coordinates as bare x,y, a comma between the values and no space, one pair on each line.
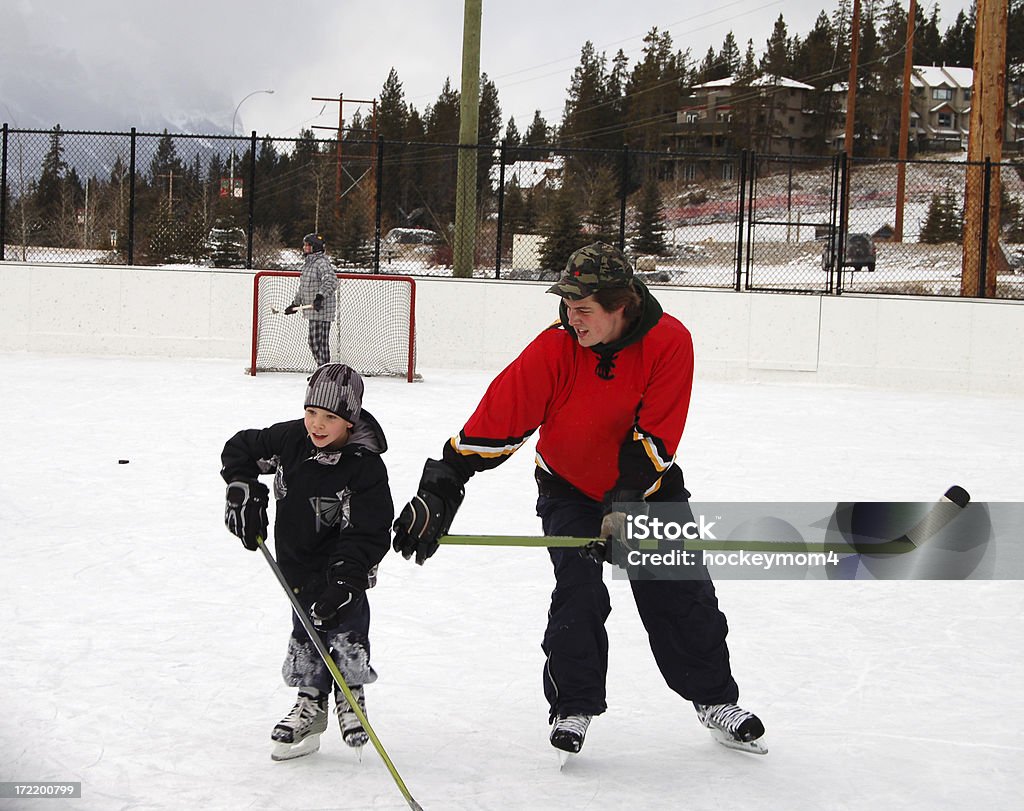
349,645
685,627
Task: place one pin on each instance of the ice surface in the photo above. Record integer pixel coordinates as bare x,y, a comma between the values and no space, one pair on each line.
141,645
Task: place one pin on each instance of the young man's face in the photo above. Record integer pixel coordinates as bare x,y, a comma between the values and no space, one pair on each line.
593,323
326,430
306,247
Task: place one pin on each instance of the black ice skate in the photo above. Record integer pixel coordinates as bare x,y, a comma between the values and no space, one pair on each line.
352,731
298,733
733,726
567,734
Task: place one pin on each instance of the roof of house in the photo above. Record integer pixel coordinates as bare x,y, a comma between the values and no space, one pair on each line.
935,76
760,81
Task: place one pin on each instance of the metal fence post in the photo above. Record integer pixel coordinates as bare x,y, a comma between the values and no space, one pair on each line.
501,209
377,204
844,215
252,198
740,203
131,199
986,210
623,187
3,194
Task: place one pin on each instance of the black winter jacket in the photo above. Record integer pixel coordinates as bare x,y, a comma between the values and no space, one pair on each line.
333,507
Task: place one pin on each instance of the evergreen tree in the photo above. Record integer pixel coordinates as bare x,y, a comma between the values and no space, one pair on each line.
652,94
942,223
958,42
590,118
927,39
729,56
602,217
564,232
776,59
649,238
48,199
538,134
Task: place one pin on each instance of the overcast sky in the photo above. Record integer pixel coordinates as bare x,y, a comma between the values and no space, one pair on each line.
189,64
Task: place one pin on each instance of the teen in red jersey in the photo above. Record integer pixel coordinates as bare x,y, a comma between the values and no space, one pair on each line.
608,389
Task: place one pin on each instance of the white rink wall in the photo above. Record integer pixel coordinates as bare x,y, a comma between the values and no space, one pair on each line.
899,342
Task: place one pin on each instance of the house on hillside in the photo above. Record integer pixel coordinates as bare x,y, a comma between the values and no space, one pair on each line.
940,110
531,174
940,103
771,114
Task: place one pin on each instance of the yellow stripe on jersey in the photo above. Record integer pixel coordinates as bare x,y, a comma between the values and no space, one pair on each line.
486,451
660,464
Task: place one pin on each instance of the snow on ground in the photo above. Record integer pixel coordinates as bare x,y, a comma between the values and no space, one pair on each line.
142,645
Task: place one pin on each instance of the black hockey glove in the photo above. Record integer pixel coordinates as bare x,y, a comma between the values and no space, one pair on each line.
613,526
318,302
430,513
335,603
245,513
290,309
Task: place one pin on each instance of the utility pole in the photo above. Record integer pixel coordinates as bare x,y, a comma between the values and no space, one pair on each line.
901,167
851,82
465,186
851,110
339,130
985,144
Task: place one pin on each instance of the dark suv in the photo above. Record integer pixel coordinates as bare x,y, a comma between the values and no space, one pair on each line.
860,253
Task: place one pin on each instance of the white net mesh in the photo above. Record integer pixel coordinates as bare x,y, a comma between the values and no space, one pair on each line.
372,331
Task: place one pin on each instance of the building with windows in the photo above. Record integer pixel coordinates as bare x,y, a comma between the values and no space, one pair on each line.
770,114
940,104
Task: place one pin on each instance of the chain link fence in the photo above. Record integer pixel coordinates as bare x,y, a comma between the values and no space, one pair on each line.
743,221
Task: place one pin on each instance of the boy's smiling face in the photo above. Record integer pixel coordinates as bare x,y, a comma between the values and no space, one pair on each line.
326,429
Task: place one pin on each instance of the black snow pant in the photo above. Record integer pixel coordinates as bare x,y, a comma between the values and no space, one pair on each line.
320,341
348,644
685,627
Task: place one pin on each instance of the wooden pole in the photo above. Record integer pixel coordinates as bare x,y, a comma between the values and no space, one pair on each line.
901,168
469,116
851,110
985,142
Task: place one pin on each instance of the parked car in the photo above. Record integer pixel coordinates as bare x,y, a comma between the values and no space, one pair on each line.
410,244
859,253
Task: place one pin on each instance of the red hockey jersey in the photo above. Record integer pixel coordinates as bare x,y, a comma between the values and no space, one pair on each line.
609,433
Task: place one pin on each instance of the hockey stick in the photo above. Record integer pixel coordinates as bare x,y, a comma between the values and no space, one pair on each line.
275,311
336,674
943,511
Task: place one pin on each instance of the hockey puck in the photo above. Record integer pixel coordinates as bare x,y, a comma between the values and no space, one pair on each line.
122,461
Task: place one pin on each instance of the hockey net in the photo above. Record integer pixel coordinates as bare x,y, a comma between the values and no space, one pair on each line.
374,329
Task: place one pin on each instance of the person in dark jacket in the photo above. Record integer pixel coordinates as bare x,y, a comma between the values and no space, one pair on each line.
608,388
331,529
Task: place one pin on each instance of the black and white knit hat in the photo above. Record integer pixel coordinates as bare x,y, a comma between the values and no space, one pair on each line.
337,388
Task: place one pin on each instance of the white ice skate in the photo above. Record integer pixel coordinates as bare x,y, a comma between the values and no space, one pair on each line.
298,733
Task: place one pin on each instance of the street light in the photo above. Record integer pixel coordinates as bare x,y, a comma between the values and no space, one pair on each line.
233,119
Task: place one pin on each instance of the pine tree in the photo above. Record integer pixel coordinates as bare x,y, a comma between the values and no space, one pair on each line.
602,218
563,229
649,238
942,223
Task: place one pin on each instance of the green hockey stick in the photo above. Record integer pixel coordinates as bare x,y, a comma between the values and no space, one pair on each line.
336,674
898,546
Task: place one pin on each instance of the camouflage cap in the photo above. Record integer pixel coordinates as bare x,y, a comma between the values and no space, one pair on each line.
595,267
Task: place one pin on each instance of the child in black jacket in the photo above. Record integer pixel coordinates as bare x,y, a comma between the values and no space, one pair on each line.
331,529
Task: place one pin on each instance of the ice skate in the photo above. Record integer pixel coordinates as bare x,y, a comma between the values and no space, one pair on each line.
567,735
298,733
352,731
733,726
